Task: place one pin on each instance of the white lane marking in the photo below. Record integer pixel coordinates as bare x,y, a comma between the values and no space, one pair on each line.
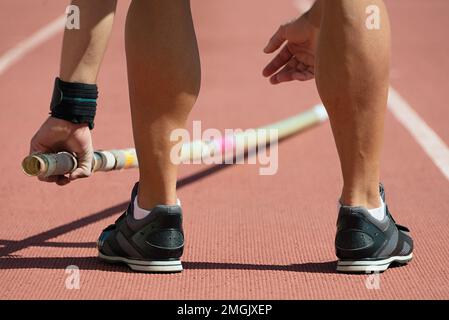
432,144
22,48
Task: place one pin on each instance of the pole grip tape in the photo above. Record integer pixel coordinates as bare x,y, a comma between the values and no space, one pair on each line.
59,163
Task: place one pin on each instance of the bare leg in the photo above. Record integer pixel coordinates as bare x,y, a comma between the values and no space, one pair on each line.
352,76
83,49
164,80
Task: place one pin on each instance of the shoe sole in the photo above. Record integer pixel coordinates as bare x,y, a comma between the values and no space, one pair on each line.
368,266
168,266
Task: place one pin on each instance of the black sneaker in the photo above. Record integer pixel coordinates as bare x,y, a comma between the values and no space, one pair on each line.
365,244
153,244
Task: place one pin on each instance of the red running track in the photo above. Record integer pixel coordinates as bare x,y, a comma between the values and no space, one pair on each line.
248,236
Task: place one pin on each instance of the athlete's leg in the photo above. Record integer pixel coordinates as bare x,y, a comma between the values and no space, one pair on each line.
352,76
164,80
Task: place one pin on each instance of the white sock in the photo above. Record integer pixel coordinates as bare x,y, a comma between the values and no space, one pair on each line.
140,213
377,213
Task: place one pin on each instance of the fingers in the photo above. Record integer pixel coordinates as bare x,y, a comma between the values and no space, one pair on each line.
57,135
62,181
284,57
298,66
291,75
294,70
59,180
305,57
276,40
36,147
84,165
279,61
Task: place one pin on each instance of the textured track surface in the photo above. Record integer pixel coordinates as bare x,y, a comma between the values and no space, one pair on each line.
248,236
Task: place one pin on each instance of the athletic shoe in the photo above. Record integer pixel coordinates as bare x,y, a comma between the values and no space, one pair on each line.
365,244
152,244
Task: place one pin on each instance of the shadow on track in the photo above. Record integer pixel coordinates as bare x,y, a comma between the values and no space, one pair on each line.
93,263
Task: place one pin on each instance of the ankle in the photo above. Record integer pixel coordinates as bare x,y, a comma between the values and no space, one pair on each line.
149,199
367,199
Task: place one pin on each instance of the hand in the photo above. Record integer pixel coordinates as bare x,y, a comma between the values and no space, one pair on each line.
59,135
297,57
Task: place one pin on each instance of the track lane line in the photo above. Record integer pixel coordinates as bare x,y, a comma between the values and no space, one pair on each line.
429,141
14,54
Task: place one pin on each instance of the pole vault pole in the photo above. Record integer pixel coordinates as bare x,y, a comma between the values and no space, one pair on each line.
50,164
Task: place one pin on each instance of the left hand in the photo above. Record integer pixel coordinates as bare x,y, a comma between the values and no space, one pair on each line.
297,57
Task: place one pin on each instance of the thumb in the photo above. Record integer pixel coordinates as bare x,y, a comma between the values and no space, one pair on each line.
276,40
84,168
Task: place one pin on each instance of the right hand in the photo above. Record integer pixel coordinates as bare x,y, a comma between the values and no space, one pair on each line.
60,135
297,57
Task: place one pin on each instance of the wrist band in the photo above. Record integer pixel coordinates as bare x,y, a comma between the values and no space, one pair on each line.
74,102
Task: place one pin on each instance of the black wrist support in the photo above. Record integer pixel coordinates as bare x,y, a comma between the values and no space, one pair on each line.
74,102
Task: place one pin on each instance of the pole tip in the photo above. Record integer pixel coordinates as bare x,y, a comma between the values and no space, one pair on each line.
32,165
